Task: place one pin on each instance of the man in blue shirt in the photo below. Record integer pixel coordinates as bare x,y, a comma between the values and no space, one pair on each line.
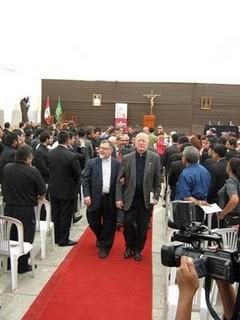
194,181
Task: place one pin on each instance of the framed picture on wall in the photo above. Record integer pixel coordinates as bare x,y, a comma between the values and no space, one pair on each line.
97,100
206,103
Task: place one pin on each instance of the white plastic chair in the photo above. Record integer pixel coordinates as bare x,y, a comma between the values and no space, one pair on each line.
14,249
172,293
229,237
45,226
199,303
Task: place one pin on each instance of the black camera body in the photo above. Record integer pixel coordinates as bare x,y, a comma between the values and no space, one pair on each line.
213,261
218,264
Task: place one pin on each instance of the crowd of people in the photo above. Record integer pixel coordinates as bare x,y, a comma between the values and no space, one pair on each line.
120,171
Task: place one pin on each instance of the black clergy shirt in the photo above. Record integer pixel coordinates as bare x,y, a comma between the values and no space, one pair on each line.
22,184
138,199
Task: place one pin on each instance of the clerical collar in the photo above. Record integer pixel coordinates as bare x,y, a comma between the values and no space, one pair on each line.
141,155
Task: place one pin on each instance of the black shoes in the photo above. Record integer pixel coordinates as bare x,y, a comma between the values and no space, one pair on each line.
76,219
103,253
137,256
127,253
67,243
28,268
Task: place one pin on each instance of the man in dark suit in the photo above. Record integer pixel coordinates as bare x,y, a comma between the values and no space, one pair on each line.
64,171
9,151
138,177
99,183
218,172
41,161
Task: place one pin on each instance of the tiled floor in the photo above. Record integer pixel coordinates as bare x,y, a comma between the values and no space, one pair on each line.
14,305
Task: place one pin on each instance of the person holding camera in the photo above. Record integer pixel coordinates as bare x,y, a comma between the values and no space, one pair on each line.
188,283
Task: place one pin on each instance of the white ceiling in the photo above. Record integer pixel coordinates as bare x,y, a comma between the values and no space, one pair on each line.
124,40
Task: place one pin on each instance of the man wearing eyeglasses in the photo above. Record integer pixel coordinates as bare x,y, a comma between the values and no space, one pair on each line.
99,182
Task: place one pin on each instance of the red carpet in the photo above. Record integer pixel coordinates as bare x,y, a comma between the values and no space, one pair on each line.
87,288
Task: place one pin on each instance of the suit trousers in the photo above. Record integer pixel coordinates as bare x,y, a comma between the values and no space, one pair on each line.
135,226
27,216
103,222
62,214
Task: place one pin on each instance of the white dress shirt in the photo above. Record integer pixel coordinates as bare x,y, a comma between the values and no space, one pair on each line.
106,174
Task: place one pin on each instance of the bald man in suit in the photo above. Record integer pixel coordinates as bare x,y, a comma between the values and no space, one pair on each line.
139,176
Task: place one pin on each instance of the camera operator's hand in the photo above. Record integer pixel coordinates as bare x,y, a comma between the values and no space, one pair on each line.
188,284
187,278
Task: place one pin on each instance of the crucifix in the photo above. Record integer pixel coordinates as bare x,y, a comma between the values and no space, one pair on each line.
152,96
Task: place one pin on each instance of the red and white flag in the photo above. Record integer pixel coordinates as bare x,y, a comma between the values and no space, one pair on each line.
47,114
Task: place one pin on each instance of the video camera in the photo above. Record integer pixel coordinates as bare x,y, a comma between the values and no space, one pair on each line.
193,239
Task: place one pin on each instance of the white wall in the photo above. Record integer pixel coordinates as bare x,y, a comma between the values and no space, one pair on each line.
14,86
144,40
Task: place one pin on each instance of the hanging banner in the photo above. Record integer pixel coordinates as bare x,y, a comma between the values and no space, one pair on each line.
121,114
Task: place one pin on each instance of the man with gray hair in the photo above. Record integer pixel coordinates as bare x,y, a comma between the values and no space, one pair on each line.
137,190
194,181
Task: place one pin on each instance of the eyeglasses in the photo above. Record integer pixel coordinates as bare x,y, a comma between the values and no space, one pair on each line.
159,127
105,148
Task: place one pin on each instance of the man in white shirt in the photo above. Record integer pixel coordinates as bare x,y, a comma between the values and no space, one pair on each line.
99,182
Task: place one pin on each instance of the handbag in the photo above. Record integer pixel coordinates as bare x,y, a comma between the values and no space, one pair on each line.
232,219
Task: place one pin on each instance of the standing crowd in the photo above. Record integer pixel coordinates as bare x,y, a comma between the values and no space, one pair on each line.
118,172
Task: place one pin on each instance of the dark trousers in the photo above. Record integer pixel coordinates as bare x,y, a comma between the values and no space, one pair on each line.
103,222
75,207
120,215
135,226
62,213
27,216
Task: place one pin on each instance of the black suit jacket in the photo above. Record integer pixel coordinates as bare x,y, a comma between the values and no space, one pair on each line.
64,171
7,156
125,191
175,171
218,177
41,161
169,151
93,181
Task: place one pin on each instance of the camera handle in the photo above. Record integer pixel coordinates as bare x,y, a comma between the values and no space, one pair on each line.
213,313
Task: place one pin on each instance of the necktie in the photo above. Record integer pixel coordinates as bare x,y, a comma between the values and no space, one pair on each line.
119,154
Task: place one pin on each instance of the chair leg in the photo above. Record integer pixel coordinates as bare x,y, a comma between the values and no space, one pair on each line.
214,294
43,244
14,271
53,238
32,262
4,263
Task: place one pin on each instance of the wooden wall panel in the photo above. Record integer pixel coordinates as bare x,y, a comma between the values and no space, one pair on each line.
178,108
